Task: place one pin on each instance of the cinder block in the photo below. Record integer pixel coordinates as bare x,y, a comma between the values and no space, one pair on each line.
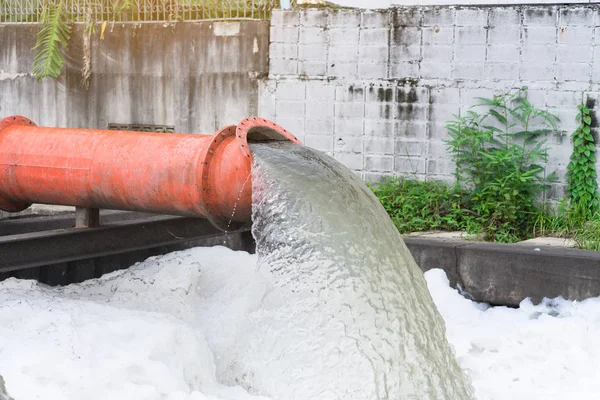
574,15
469,96
537,97
437,53
472,16
379,128
314,17
380,94
442,113
289,109
412,112
319,109
405,53
438,16
367,70
374,177
540,35
410,16
444,95
576,35
470,53
503,53
312,68
406,36
564,100
283,67
574,53
504,35
410,129
501,71
530,71
349,110
342,70
310,35
466,35
410,94
540,16
409,148
344,36
438,35
348,127
441,168
468,70
283,50
293,125
407,69
438,149
375,19
379,163
409,165
312,52
350,160
319,91
351,93
346,144
505,16
379,111
266,102
319,142
538,53
319,126
291,90
344,19
343,54
379,145
373,54
285,18
437,130
284,34
377,37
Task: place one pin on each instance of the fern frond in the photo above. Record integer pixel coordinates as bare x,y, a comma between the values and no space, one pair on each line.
51,40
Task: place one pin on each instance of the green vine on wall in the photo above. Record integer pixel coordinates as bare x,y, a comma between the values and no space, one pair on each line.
582,186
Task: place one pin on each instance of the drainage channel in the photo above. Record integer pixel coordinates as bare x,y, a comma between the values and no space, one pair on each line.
51,250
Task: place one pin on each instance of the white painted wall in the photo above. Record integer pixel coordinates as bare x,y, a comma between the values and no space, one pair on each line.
375,88
378,4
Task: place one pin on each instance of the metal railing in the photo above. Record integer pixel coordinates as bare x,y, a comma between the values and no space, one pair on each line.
30,11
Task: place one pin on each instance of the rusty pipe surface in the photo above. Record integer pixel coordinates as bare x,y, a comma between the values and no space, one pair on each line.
178,174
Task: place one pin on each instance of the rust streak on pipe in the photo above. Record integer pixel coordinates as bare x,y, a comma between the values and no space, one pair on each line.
179,174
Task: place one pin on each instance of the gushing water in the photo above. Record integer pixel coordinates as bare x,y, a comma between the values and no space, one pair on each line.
348,315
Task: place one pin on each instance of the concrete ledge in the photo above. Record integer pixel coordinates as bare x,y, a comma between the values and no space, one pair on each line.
506,274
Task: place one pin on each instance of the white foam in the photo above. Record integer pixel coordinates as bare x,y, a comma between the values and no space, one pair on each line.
168,328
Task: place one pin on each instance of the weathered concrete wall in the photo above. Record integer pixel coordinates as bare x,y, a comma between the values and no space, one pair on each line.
388,3
375,88
197,76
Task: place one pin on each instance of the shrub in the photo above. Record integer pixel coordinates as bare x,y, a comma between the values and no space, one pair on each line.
498,155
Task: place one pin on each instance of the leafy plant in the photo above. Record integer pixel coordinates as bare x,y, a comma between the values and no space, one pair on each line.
419,206
498,155
51,40
582,186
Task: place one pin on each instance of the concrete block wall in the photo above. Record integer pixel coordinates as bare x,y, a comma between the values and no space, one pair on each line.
374,89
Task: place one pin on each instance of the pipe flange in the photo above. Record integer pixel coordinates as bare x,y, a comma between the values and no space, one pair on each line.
213,212
260,129
15,120
5,204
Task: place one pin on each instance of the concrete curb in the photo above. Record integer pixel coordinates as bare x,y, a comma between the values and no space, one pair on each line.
506,274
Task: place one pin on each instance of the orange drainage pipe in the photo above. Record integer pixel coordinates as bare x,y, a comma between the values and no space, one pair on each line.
178,174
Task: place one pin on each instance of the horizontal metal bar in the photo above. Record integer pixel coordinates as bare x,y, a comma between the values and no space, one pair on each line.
30,250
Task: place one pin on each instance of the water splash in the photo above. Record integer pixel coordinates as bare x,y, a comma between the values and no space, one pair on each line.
348,315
